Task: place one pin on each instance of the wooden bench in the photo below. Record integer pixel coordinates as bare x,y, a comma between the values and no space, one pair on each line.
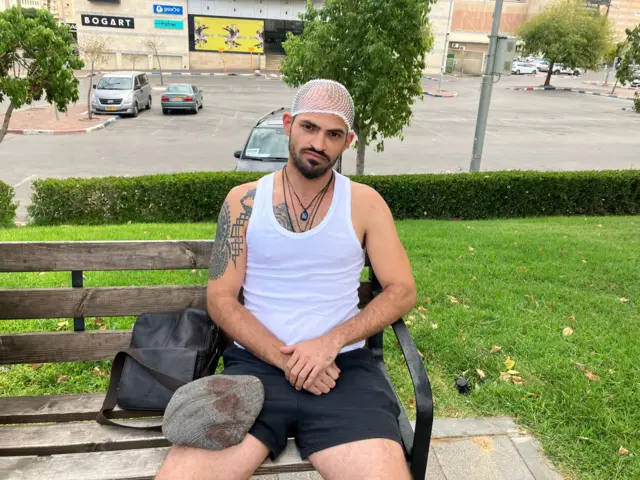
56,436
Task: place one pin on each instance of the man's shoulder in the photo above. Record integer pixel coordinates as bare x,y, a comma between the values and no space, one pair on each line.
242,191
366,197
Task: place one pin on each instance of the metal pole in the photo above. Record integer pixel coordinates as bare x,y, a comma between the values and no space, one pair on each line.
445,48
485,92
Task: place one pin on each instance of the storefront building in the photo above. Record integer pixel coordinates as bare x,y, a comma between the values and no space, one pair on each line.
131,26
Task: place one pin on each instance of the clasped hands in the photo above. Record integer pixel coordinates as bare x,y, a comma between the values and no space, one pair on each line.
311,364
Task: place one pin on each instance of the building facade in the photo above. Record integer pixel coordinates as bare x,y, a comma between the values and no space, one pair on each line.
624,14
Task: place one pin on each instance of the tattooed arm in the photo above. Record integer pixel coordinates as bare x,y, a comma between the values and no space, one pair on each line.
226,276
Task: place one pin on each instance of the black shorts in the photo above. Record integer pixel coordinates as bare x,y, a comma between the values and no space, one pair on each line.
361,406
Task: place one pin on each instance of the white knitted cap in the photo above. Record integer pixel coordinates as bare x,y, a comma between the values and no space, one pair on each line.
324,96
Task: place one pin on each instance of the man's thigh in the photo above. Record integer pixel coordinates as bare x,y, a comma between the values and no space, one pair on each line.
361,407
277,418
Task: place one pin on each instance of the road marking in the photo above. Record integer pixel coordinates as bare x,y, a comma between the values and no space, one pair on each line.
29,178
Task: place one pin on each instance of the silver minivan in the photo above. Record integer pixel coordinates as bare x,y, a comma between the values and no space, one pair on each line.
122,92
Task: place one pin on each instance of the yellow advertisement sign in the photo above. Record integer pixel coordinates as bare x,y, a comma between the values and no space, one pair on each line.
230,34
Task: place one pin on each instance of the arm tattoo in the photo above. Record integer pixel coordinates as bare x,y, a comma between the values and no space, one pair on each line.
229,241
237,233
282,215
221,246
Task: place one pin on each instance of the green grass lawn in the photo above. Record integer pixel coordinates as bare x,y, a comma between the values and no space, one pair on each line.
512,284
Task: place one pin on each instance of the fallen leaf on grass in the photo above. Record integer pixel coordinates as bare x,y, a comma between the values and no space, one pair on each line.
420,353
568,331
421,309
513,372
62,325
102,327
100,373
496,349
515,244
509,363
98,321
408,323
571,318
193,271
129,222
599,225
623,452
62,378
412,403
401,390
434,325
583,261
473,278
426,300
580,366
531,395
453,299
481,374
504,376
592,376
541,250
518,380
522,269
411,318
624,300
168,237
471,249
466,306
36,366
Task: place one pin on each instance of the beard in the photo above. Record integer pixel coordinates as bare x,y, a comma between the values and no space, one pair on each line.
310,168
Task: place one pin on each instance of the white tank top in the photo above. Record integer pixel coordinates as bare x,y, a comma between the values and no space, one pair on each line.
301,285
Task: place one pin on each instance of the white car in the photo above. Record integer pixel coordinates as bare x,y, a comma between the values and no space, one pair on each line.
541,65
558,69
520,68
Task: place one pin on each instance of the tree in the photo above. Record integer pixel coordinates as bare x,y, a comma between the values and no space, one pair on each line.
94,50
132,57
152,45
43,49
629,54
608,60
375,49
567,32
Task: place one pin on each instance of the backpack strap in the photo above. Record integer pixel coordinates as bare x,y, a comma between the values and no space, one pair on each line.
111,398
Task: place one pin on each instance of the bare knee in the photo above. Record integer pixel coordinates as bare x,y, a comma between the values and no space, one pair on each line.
237,462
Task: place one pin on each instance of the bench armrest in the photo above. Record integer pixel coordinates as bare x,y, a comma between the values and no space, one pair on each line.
419,452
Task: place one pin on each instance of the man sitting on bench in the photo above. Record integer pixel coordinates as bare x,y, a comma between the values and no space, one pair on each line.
294,241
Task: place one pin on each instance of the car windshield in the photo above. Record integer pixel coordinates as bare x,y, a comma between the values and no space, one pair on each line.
267,143
114,83
179,89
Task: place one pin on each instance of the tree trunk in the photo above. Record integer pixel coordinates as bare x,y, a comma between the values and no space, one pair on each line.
160,67
547,81
360,155
89,111
5,124
614,86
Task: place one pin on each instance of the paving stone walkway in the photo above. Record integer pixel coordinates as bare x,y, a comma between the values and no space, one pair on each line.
474,449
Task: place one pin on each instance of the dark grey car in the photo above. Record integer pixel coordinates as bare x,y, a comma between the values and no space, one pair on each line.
267,148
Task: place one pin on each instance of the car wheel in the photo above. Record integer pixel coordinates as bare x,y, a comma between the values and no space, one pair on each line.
517,72
149,103
165,111
201,105
576,73
556,72
195,110
135,110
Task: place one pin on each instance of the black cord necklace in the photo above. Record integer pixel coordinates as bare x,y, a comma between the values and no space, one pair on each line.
304,215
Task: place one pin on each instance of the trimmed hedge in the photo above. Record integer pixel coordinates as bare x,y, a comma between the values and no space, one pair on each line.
197,197
7,206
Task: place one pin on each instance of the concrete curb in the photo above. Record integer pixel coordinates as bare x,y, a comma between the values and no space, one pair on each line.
214,74
628,109
100,126
444,80
567,89
441,94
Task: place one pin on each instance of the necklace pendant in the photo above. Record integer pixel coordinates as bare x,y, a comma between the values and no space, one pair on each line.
304,216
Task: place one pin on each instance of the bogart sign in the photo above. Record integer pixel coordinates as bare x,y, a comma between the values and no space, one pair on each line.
107,21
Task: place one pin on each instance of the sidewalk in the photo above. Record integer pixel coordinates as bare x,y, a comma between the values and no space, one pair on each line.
41,119
623,95
474,449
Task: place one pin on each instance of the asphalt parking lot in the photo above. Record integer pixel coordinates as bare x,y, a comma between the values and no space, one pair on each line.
526,130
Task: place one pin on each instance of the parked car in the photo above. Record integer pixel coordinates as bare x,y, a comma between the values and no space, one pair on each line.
267,148
562,69
122,92
521,67
181,96
541,65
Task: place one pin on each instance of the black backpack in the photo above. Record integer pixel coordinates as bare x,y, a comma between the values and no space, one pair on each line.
167,351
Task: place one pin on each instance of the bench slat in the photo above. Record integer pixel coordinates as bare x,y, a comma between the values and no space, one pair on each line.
106,255
55,408
62,346
77,437
29,303
124,465
32,303
111,255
